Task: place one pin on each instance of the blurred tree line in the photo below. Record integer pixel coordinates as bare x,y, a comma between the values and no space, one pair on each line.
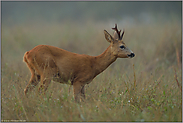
22,11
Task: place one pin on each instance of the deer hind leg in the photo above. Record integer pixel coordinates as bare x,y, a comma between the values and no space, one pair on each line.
46,78
83,92
78,91
34,80
44,84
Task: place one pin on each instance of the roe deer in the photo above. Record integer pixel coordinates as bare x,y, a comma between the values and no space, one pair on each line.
48,63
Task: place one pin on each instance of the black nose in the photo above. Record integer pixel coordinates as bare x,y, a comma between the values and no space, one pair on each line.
131,55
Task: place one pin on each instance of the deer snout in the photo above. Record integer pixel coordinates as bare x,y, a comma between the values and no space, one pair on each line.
131,55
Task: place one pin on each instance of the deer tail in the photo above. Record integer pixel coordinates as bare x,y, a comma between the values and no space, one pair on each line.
25,57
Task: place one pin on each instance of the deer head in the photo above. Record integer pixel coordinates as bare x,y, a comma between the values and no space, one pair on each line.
118,47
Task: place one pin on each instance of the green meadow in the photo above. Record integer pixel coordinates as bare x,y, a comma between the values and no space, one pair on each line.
147,87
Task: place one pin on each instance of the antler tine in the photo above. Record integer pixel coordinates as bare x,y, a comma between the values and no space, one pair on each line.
122,35
116,29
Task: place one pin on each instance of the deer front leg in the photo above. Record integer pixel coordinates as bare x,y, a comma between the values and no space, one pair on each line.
78,88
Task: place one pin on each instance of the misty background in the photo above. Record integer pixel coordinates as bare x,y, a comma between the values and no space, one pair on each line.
71,25
123,12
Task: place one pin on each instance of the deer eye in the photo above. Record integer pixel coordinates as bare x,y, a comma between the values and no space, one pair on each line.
122,47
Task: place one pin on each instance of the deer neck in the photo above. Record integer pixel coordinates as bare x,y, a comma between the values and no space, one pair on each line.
104,60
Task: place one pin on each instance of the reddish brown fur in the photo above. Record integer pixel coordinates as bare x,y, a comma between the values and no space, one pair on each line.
48,63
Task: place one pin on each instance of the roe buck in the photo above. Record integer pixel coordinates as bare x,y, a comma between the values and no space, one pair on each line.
48,63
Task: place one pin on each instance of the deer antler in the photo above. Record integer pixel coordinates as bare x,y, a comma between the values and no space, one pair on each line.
118,32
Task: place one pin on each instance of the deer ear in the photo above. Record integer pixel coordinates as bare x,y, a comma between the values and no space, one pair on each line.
108,37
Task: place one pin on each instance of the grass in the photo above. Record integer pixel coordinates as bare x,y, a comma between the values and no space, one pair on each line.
145,88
